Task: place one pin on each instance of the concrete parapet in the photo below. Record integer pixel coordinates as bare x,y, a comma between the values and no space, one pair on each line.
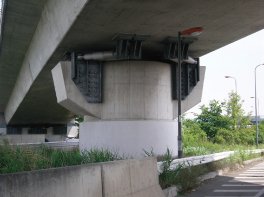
116,178
78,181
19,139
134,178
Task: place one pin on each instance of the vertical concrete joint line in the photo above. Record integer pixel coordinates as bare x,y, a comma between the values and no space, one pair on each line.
102,180
129,85
130,177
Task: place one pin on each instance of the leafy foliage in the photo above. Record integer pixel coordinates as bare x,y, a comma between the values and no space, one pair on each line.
235,112
78,119
168,177
211,119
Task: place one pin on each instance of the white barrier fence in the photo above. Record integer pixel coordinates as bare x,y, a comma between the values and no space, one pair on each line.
198,160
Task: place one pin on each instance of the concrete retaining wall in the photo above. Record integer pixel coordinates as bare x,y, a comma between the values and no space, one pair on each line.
133,178
19,139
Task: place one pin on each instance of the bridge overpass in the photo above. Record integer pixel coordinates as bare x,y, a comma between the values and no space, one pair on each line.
37,35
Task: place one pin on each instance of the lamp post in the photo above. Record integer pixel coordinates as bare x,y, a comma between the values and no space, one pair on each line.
195,31
256,108
236,97
230,77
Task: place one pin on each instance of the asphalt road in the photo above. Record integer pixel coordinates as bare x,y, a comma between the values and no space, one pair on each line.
248,182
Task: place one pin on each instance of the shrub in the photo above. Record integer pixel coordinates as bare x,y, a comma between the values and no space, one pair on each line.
247,136
193,135
168,177
225,136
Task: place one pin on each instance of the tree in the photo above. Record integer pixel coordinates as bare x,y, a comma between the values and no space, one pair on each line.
211,119
235,112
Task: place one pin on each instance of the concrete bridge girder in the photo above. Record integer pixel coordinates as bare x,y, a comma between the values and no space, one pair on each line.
51,29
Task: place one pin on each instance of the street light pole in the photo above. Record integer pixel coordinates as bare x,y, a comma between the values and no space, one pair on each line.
195,31
180,152
256,107
230,77
236,101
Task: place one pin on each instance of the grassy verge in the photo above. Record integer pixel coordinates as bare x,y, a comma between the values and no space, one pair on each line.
209,148
17,159
186,177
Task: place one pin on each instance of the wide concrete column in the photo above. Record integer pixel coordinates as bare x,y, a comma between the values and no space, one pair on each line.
137,112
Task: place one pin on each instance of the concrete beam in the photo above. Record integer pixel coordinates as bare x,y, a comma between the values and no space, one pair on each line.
67,93
52,28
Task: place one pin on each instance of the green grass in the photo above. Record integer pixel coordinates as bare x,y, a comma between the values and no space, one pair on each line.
17,159
209,148
186,177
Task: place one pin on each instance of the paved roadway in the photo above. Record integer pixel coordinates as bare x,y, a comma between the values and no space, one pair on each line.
248,182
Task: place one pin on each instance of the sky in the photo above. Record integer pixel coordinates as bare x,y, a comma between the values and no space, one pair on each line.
238,60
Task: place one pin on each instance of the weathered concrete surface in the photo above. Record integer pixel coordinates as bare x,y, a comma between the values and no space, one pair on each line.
81,181
170,191
135,178
68,95
137,90
52,27
130,137
133,90
20,22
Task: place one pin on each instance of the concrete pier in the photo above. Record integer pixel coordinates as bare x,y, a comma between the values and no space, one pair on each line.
137,112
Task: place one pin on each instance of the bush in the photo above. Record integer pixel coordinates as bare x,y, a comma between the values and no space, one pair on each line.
193,135
243,136
247,136
225,136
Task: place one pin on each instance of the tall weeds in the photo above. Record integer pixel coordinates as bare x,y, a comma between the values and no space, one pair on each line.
17,159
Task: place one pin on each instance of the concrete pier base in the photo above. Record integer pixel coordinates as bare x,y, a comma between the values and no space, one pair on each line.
137,111
130,137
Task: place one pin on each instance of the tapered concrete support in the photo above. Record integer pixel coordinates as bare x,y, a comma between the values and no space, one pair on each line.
68,95
51,29
137,112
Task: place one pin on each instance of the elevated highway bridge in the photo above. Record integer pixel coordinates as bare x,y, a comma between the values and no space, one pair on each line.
37,34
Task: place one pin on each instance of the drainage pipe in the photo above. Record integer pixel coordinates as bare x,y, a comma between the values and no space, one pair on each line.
105,55
109,55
